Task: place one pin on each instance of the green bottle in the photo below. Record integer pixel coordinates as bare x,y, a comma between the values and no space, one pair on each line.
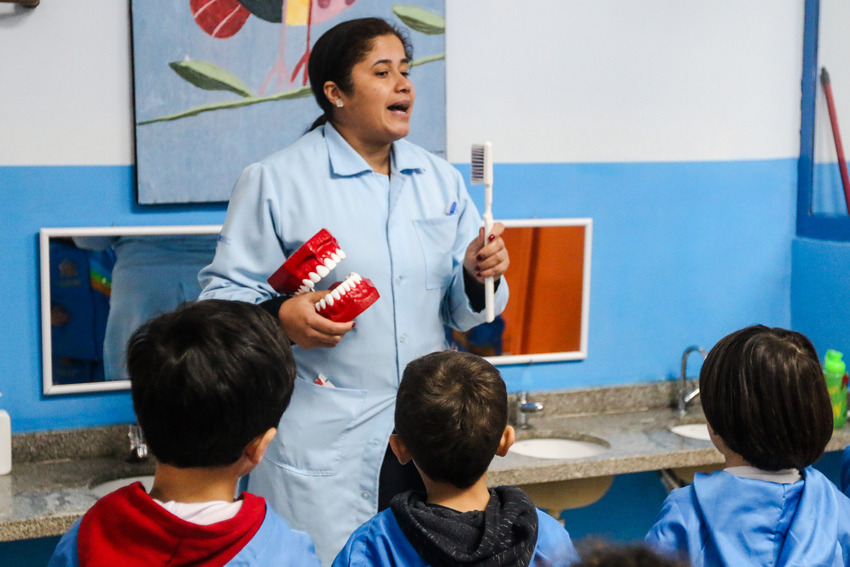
834,370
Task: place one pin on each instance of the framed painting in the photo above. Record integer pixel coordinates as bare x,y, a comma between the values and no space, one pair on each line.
220,84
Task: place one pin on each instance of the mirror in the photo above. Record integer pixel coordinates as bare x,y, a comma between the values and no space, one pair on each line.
546,319
98,284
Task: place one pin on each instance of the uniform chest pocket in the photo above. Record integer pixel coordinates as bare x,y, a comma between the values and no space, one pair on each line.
436,239
314,428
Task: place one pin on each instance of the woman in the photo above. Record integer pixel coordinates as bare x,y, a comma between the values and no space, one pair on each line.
404,219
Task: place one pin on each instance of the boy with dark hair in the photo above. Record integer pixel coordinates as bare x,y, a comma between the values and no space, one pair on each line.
209,383
769,414
451,418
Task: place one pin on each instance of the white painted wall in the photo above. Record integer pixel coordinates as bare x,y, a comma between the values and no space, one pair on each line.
544,80
65,92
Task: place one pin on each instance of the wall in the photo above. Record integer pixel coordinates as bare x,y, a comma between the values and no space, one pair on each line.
680,141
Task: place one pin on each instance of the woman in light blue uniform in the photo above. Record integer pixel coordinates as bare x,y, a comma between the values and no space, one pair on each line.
769,413
404,219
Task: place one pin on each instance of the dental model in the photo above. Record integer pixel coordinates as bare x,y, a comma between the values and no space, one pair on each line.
308,265
347,299
312,262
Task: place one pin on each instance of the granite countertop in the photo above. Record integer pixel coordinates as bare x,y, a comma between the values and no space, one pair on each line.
49,486
633,422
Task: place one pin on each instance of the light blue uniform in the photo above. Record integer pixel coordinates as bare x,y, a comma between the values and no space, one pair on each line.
381,542
152,275
321,473
722,519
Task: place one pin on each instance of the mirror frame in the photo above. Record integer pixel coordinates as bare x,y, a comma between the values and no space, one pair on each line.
45,234
580,354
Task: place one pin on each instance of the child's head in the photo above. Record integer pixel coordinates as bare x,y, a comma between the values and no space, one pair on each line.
764,395
451,413
599,554
207,379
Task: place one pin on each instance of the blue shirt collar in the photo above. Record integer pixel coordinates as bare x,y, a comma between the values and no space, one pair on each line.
346,162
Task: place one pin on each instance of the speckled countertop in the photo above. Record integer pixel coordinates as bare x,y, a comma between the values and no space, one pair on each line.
52,472
49,486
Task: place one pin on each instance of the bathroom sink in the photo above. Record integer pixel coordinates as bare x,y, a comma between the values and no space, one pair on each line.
692,431
554,448
103,488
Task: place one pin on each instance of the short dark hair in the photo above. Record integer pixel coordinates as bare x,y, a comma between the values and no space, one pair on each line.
208,378
601,554
338,50
451,412
764,394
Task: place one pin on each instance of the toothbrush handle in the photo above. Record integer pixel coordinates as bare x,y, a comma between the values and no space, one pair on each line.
489,288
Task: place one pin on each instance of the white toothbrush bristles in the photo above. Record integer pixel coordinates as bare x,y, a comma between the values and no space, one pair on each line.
482,174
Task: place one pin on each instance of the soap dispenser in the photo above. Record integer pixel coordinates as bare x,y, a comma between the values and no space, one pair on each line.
5,443
834,371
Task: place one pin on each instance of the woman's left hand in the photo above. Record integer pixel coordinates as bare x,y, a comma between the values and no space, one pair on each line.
485,259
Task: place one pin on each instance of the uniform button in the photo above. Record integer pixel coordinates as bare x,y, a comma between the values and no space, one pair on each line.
366,494
374,442
402,338
399,279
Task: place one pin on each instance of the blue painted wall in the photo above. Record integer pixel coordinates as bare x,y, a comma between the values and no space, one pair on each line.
683,253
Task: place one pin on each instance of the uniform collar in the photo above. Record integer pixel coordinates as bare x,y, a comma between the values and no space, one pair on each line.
346,162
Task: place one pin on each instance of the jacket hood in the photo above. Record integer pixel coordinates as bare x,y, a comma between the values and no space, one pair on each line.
128,528
503,534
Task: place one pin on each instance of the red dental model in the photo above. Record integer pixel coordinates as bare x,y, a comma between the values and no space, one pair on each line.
313,261
348,299
308,265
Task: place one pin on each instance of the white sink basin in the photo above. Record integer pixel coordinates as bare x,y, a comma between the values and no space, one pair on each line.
105,488
692,431
552,448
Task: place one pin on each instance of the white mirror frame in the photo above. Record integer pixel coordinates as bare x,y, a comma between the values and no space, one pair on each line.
48,387
580,354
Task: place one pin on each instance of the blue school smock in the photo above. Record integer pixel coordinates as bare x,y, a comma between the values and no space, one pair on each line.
722,519
408,234
381,542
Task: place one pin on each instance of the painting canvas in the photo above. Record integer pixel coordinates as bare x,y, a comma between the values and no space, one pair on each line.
220,84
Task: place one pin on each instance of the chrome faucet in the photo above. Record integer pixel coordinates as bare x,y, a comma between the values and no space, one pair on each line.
138,447
525,407
685,396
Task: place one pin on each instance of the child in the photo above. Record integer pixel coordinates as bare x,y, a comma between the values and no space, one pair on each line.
209,384
769,414
451,418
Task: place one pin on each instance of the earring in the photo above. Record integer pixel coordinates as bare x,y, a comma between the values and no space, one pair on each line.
339,103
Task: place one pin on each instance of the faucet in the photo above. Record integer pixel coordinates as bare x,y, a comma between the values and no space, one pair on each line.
138,447
525,407
685,396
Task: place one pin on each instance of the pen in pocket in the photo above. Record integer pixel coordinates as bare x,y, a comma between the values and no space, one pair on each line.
451,208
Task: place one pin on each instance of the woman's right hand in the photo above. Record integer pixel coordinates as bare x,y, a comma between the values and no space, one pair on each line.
305,327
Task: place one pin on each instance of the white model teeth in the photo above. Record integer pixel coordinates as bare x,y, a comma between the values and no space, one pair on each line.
340,253
335,258
314,277
322,270
349,283
330,264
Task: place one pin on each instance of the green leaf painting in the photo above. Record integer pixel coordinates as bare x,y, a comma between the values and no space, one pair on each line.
210,77
420,19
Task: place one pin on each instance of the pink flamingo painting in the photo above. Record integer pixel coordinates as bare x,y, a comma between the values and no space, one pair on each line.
224,18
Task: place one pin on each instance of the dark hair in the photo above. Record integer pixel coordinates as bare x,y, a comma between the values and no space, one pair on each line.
338,50
451,412
600,554
208,378
764,394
